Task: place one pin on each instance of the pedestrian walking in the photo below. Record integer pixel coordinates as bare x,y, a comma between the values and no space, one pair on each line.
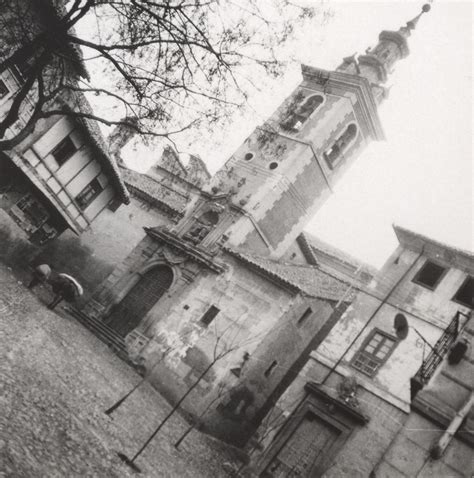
65,287
41,274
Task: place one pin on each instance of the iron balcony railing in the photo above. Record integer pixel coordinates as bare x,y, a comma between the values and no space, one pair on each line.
440,349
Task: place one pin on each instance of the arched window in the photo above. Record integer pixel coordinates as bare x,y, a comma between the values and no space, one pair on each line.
296,119
341,144
202,227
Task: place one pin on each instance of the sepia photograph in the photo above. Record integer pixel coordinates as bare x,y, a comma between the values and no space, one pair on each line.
236,239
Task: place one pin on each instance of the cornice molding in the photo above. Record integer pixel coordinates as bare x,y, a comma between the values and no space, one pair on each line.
360,86
317,390
194,253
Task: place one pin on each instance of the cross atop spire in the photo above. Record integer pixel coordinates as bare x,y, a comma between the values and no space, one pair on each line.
411,25
424,9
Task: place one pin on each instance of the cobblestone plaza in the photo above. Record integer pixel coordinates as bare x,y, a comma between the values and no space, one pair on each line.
57,380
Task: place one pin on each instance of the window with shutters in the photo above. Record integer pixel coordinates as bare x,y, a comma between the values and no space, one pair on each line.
64,150
374,352
89,193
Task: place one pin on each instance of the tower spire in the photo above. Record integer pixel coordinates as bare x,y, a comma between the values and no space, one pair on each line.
377,63
411,25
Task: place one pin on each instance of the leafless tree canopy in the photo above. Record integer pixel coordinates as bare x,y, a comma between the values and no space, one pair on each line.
160,66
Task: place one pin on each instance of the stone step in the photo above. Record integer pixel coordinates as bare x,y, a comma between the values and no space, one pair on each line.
100,330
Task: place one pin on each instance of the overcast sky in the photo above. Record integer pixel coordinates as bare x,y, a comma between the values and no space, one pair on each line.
421,177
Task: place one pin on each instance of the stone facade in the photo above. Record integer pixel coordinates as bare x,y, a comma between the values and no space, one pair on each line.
260,304
227,300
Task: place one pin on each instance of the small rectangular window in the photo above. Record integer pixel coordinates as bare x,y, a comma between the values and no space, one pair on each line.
270,369
210,315
374,352
430,275
465,294
64,150
3,89
89,193
303,318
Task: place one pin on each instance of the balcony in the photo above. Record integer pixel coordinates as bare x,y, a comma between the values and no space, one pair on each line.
437,354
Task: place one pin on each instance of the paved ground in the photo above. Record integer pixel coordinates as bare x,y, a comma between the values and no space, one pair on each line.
56,379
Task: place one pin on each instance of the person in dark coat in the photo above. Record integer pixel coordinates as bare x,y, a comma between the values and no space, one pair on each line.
41,275
64,287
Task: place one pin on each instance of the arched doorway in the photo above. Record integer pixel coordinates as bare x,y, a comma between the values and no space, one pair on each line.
128,313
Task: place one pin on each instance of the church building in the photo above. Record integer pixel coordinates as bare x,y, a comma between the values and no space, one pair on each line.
232,298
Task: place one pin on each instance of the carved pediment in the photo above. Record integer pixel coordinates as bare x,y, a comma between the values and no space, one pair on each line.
178,248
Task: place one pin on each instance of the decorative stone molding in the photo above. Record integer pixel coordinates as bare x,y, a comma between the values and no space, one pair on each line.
180,247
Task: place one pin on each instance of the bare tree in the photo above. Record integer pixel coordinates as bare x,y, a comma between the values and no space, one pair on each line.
160,66
222,391
144,379
224,343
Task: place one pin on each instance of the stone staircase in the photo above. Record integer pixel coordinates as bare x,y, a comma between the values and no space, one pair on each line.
102,331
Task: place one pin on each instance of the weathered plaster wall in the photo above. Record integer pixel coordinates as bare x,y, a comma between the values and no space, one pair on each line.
433,410
385,398
427,311
249,307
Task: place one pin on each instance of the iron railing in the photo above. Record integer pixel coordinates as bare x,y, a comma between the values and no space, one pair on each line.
440,349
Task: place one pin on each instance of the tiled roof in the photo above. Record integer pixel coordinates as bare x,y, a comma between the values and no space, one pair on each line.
306,279
419,243
403,234
316,244
155,191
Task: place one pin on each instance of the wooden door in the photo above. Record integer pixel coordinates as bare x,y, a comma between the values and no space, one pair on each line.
305,450
142,297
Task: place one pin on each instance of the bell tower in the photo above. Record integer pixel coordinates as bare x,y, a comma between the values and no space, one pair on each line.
265,194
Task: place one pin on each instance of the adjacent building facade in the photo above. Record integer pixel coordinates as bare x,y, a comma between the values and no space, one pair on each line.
391,379
60,175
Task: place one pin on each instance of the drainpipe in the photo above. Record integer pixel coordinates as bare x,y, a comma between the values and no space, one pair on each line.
438,448
382,303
